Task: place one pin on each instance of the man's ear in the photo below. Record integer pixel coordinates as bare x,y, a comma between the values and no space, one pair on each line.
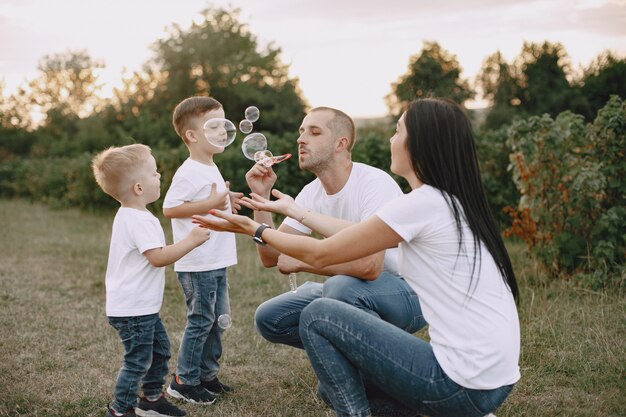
138,189
342,143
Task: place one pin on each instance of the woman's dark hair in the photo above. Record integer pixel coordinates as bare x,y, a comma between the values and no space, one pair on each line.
441,147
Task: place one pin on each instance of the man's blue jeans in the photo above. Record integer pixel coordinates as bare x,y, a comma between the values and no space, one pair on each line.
146,352
206,294
345,345
388,297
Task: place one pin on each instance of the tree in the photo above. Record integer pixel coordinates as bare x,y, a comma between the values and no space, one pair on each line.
500,86
544,69
605,76
432,72
221,58
67,84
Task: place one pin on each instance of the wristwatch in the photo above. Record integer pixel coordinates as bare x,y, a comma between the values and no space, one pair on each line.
257,235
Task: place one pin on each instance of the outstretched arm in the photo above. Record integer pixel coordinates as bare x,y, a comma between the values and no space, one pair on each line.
286,205
352,243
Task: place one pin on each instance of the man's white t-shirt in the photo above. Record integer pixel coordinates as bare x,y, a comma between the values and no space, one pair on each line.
192,182
473,323
366,191
133,286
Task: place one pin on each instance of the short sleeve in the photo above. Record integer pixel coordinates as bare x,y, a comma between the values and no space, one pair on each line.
408,215
147,234
181,191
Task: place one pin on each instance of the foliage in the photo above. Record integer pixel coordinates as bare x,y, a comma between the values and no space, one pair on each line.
493,155
433,72
570,177
605,76
221,58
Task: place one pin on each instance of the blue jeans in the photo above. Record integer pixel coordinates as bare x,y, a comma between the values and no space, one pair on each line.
345,344
146,352
206,294
388,297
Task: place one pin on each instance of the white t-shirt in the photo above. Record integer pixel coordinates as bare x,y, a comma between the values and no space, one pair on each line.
192,182
367,190
474,328
133,286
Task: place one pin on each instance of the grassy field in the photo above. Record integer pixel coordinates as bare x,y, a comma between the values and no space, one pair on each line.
59,356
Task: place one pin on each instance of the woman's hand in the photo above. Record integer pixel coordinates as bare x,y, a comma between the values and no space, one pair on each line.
222,221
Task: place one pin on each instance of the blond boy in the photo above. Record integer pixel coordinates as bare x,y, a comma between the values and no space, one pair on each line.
135,278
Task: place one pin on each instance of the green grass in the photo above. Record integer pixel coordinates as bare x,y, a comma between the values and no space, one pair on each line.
59,357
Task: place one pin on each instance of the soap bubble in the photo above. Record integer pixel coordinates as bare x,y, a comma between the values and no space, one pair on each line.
264,157
224,321
220,132
252,144
245,126
252,114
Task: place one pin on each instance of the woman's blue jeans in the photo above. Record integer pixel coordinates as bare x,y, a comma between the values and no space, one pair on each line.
388,297
146,353
206,294
345,345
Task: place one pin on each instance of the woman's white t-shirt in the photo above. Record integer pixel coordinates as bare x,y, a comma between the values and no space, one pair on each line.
133,286
473,323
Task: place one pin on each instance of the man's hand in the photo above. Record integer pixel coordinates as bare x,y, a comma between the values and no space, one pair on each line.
283,204
235,199
261,179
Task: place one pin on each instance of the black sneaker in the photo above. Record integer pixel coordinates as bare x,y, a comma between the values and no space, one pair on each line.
191,393
158,408
215,386
129,413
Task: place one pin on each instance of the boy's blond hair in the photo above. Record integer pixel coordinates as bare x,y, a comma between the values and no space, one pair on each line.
115,168
190,108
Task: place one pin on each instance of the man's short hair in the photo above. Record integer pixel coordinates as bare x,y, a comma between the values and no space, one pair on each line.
189,108
115,168
341,125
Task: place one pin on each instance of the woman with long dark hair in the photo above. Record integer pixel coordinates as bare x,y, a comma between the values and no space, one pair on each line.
454,258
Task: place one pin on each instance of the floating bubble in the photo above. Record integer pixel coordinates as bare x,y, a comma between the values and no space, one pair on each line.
264,157
224,321
252,144
245,126
252,114
219,132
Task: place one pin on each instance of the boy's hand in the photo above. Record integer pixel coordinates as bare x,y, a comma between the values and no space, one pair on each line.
235,199
199,235
218,200
261,179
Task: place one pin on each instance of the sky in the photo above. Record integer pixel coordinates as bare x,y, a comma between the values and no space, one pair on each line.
345,53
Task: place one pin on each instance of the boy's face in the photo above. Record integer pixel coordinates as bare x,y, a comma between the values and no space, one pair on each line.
149,181
216,133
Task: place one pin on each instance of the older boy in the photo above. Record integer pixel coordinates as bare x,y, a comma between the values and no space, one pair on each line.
135,278
198,187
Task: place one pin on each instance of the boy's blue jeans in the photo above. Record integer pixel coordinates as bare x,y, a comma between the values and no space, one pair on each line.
146,352
206,294
388,297
346,345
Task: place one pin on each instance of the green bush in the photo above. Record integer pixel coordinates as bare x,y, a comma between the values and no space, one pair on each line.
570,176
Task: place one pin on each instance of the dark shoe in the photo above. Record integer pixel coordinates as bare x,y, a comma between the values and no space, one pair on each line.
215,386
191,393
129,413
158,408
